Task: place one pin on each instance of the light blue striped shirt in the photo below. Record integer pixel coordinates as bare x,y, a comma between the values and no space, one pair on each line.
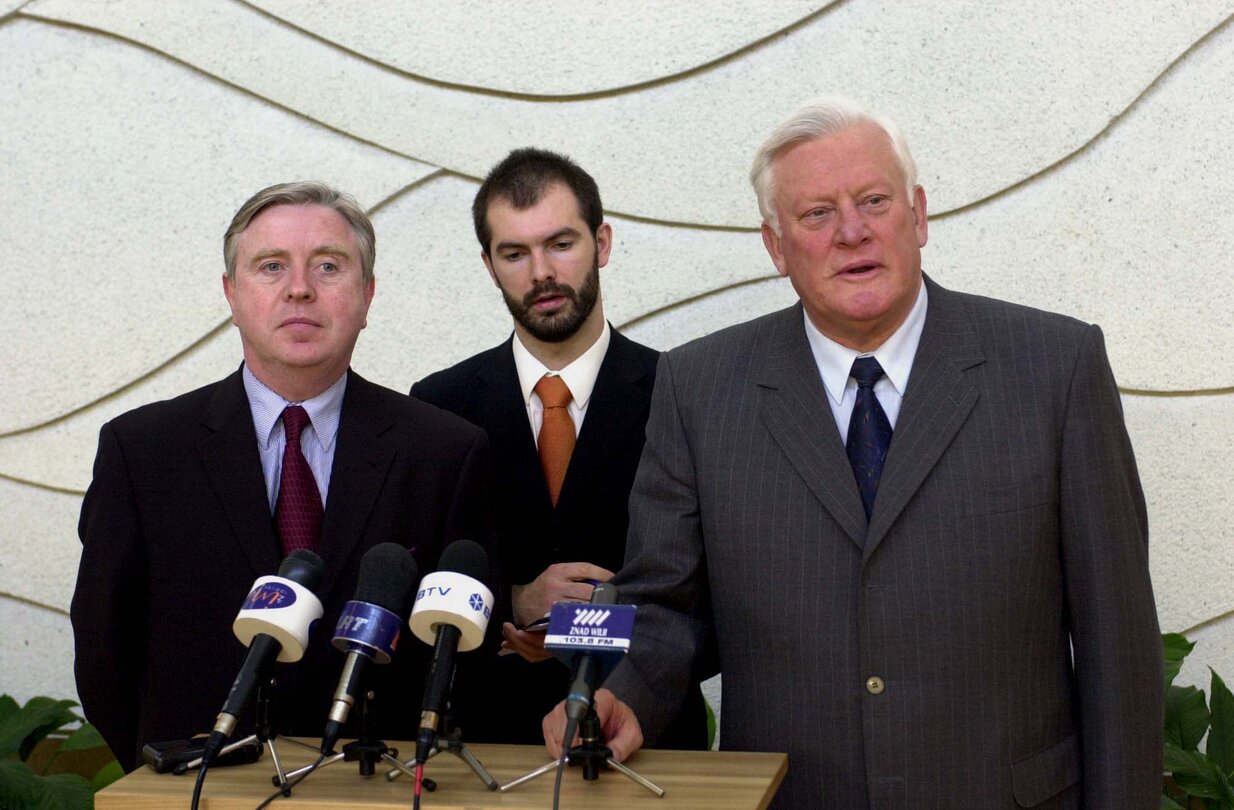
316,440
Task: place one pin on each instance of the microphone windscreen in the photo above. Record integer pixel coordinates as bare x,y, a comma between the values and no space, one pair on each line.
604,594
304,568
387,578
465,557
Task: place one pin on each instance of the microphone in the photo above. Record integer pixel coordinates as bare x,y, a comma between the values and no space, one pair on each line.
368,629
451,612
274,622
591,639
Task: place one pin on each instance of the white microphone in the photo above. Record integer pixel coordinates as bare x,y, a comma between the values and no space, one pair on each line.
274,622
452,610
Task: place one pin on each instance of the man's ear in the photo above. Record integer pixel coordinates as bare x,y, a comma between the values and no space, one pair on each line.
920,221
771,241
604,243
229,292
488,265
370,287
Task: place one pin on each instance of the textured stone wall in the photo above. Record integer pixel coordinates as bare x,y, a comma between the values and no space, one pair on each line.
1078,160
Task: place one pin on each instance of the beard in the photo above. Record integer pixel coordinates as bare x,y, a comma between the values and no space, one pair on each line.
560,325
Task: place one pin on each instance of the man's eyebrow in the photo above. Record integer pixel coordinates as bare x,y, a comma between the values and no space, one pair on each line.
508,245
552,237
566,231
332,250
320,250
269,253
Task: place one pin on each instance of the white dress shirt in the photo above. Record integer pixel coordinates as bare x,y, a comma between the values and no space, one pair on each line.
579,377
835,364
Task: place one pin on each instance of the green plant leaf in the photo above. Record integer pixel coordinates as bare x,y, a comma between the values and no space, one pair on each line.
8,707
1176,647
107,774
64,791
1186,717
83,739
16,784
1220,747
1198,775
21,731
1169,804
1177,761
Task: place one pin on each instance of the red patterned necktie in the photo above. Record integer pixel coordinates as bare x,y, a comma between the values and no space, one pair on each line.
556,432
297,513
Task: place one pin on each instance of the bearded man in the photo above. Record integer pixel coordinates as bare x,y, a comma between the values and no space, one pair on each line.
565,403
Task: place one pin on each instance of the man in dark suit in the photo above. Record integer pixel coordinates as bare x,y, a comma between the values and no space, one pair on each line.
191,499
911,517
561,522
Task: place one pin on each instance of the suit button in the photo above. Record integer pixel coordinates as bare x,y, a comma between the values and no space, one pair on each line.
875,685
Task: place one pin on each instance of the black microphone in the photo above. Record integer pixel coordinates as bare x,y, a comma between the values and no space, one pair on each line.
368,629
452,610
274,621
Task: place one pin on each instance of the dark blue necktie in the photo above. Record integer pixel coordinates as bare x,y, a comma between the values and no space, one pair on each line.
869,432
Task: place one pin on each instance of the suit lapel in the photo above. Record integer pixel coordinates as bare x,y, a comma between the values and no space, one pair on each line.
936,404
615,408
233,465
361,463
798,416
505,419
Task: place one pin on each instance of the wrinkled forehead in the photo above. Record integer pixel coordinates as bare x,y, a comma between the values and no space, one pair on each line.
298,225
857,157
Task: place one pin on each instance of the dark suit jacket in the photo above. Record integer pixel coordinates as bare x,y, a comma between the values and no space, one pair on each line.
588,524
176,526
999,594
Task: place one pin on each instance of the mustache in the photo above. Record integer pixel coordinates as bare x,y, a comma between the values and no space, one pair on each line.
549,288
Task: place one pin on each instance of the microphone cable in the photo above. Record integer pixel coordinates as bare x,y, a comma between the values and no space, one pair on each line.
415,799
201,780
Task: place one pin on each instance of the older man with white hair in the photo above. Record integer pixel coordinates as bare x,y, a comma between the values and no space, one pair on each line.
910,516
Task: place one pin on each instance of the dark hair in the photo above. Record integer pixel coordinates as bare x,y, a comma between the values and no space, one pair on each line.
522,177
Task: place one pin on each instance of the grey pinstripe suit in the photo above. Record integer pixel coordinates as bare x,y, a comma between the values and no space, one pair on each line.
1009,530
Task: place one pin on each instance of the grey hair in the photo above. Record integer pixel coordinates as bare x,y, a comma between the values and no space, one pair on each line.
819,118
304,192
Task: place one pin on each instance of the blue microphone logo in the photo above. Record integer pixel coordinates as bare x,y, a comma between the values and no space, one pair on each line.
269,595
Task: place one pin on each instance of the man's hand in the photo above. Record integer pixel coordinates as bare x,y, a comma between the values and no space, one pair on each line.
620,728
563,582
528,645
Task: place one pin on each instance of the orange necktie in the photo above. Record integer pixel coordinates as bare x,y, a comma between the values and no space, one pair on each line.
556,432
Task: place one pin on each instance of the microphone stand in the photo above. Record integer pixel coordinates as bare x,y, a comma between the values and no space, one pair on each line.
450,741
367,750
591,753
263,733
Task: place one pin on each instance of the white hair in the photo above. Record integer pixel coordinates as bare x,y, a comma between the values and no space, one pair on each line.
819,118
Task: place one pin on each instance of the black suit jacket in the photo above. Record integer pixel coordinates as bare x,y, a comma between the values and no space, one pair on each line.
588,524
176,526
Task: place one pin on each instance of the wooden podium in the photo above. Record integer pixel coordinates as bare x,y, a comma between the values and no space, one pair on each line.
692,780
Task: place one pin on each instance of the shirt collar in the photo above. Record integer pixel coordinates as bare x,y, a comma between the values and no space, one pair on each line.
267,406
579,376
895,355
